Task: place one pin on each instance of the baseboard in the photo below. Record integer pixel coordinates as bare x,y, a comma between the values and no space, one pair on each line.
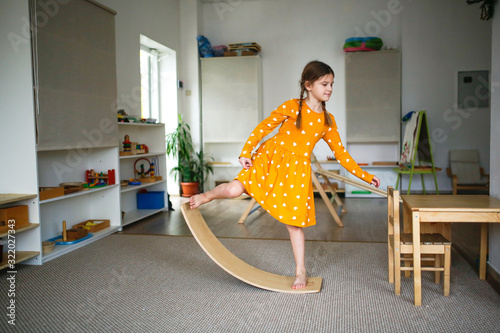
493,278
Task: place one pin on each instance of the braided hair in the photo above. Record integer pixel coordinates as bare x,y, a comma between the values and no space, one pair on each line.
312,72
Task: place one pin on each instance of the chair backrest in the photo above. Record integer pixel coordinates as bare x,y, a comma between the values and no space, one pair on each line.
465,165
393,224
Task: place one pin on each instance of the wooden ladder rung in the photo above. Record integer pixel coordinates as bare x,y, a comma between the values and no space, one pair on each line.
432,269
425,239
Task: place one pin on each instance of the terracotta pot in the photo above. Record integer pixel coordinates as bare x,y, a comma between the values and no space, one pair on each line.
190,189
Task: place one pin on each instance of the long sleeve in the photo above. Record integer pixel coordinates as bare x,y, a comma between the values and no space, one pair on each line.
277,117
333,140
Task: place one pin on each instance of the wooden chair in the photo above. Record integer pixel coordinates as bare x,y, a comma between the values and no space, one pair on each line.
400,244
465,171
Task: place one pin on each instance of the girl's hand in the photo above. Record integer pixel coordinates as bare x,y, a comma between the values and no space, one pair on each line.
375,182
246,162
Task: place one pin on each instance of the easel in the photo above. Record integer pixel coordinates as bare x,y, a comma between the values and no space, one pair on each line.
421,145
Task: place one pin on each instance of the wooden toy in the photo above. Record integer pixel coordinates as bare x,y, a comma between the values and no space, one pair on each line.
145,175
17,213
50,192
92,225
234,265
133,148
126,146
94,179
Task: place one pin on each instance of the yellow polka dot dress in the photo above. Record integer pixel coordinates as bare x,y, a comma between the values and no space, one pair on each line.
280,178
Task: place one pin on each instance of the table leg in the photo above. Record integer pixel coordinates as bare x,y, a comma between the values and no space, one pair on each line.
483,251
417,273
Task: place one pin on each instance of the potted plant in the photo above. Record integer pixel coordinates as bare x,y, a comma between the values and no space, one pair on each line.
193,167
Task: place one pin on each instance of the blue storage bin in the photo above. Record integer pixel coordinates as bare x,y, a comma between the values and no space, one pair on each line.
151,200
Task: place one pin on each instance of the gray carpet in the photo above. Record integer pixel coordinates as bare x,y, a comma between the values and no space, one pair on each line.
131,283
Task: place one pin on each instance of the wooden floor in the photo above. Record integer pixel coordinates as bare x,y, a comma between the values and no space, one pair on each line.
365,221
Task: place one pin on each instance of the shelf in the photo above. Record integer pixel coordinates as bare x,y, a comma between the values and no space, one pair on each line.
226,141
14,197
59,250
65,148
135,187
226,165
143,155
140,124
76,194
138,214
20,257
28,227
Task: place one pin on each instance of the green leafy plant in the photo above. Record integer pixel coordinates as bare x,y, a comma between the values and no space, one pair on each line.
193,166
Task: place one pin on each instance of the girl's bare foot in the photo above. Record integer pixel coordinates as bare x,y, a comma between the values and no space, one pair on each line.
300,281
197,200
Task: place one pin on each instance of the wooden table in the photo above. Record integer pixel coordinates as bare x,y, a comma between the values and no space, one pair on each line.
437,212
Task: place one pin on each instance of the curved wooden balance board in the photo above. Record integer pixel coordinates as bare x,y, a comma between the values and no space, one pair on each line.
237,267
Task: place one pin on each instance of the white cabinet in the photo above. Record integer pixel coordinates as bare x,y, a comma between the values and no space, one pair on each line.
18,168
58,166
231,109
69,129
20,244
373,113
153,136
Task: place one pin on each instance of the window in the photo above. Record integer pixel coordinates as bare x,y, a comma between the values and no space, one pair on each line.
149,83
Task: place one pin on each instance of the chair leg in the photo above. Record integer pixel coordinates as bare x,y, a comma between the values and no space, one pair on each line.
437,264
397,271
447,267
391,262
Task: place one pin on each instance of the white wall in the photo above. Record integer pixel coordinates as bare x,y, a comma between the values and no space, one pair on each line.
156,19
452,38
494,249
294,32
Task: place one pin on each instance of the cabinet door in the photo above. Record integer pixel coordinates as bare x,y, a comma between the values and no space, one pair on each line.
231,97
76,73
373,96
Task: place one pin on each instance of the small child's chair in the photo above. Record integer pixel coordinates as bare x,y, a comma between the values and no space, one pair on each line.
465,171
400,244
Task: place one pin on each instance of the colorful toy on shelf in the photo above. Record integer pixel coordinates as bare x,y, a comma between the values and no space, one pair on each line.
133,148
94,179
126,144
134,181
146,175
70,236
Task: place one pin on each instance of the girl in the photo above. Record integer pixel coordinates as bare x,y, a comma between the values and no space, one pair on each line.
278,174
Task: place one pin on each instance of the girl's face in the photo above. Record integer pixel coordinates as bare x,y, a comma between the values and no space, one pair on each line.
321,89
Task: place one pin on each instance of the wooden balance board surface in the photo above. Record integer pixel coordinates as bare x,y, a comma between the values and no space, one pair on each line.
352,182
237,267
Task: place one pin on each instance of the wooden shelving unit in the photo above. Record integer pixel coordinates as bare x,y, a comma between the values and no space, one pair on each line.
20,257
153,136
13,197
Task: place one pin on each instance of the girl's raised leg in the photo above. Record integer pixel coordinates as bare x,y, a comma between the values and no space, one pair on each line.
298,245
232,189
